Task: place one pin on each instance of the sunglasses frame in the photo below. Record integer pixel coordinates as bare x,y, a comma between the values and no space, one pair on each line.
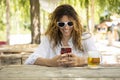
65,23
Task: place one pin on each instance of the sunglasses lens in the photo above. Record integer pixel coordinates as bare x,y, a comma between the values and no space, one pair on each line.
61,24
70,23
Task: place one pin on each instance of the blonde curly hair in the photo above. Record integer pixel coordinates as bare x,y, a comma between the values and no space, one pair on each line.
53,31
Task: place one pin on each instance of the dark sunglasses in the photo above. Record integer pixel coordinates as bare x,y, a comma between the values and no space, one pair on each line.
62,24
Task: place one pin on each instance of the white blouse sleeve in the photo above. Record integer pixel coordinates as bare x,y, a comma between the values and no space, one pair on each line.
88,42
41,51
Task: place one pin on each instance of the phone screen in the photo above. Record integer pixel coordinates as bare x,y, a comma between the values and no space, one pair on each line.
66,50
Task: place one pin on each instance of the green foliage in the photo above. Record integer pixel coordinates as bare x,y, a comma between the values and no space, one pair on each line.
114,6
20,13
84,3
19,17
2,15
2,25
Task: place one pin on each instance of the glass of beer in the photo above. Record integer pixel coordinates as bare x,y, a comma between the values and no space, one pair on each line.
94,59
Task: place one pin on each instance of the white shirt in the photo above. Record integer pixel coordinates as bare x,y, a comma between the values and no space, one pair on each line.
45,49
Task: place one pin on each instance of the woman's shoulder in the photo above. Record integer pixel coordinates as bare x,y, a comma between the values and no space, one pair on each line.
44,38
86,35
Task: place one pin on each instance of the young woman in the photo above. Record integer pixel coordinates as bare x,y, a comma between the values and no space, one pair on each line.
64,29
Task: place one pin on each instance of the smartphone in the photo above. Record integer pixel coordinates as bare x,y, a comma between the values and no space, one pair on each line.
66,50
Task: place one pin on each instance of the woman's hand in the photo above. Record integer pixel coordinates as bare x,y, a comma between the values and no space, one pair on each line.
54,61
69,60
59,60
73,60
63,60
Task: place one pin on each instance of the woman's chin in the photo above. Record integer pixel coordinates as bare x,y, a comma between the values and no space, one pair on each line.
66,35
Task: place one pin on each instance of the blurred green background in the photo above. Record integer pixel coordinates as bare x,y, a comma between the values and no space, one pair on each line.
20,23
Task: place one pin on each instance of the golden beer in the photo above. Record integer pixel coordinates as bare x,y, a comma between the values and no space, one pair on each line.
94,59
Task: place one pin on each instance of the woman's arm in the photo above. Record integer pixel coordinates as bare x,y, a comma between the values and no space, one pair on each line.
82,61
53,62
42,51
42,62
62,60
76,61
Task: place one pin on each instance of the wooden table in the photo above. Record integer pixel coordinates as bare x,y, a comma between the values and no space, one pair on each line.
33,72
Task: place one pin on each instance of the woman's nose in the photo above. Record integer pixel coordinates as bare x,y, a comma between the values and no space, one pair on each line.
66,26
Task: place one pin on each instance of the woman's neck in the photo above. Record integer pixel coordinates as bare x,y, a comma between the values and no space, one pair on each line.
65,41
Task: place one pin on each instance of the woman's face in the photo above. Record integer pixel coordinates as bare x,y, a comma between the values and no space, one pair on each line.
68,26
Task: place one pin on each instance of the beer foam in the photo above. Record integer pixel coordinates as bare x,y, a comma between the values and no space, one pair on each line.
94,54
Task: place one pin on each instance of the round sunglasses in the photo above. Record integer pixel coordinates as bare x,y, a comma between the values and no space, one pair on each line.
62,24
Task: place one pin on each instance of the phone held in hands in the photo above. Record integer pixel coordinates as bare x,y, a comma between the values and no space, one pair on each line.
66,50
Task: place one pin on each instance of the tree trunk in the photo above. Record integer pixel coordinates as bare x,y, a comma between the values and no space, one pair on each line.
92,17
8,21
35,21
87,14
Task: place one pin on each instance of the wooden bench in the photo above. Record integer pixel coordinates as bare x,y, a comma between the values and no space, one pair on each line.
16,54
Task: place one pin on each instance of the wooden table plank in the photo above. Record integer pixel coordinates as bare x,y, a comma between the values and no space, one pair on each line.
24,72
19,48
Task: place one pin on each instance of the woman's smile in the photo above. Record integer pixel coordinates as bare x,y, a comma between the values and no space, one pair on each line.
66,30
